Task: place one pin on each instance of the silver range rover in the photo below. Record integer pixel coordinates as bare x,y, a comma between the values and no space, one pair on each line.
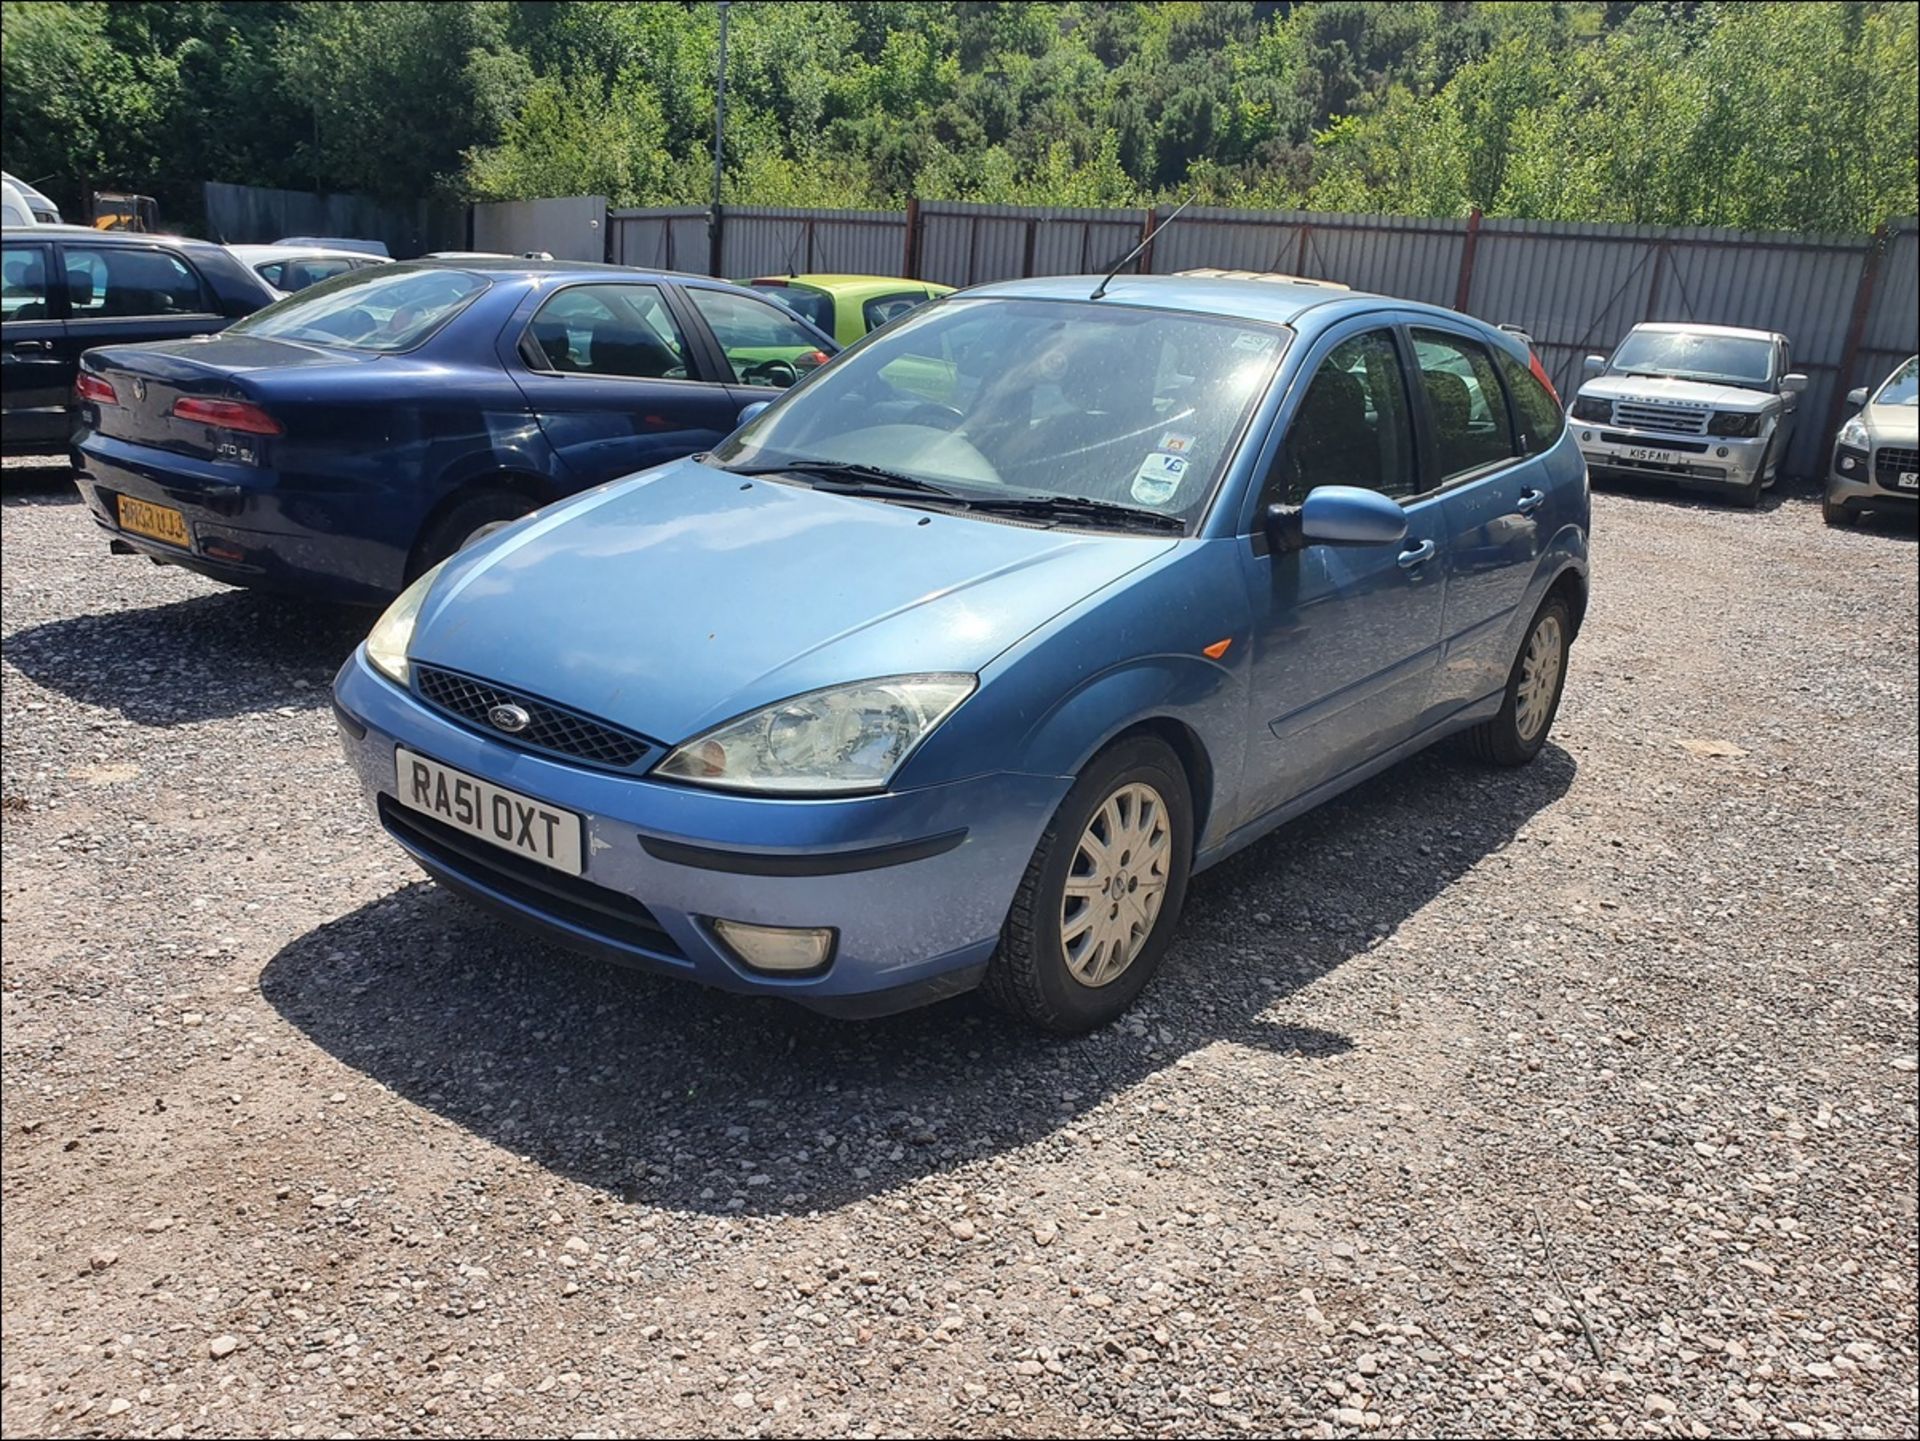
1876,456
1707,405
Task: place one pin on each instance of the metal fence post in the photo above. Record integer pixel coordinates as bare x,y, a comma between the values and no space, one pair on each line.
1026,261
1653,281
1856,327
1147,229
910,260
1463,291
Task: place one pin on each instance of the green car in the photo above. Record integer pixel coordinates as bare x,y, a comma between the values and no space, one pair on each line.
848,306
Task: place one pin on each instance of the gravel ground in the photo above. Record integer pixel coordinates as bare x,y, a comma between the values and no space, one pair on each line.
1575,1100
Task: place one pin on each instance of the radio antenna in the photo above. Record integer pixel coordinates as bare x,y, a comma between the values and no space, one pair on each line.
1145,240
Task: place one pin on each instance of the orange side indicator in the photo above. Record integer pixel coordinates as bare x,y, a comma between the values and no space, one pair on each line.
1217,649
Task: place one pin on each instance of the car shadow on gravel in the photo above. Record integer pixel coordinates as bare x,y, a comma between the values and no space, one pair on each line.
213,656
657,1091
38,480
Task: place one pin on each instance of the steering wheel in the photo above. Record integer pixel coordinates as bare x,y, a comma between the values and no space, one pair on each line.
781,373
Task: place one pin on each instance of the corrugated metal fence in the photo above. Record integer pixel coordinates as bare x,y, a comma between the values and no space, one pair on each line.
254,214
1850,304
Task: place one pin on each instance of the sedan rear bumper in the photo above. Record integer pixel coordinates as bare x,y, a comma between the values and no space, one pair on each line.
915,885
242,529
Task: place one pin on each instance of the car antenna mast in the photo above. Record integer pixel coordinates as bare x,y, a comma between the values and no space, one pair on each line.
1145,240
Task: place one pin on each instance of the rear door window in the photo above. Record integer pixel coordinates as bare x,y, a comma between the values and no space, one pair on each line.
882,308
614,330
1537,411
23,283
1471,430
108,282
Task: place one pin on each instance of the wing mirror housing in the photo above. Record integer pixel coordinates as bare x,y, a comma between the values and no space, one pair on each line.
748,412
1857,397
1792,383
1593,367
1336,515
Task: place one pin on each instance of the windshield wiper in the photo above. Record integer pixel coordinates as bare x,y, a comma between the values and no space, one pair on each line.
1077,507
849,477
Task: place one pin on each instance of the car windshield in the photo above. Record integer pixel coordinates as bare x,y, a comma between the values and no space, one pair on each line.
998,401
1902,387
386,310
813,306
1736,359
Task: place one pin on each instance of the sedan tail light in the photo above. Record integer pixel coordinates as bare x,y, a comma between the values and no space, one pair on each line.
95,388
241,415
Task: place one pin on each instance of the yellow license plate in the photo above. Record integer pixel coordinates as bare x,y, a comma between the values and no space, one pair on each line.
157,521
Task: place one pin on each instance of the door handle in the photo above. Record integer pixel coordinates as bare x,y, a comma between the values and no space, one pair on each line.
30,345
1529,501
1421,552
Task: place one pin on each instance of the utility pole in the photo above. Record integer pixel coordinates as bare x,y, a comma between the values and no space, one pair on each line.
719,145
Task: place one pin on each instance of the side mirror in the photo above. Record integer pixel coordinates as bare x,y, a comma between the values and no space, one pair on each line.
747,412
1857,397
1592,366
1792,383
1336,515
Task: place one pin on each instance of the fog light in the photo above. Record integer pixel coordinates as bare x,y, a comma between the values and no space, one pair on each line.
1586,435
777,948
220,550
1846,462
1721,452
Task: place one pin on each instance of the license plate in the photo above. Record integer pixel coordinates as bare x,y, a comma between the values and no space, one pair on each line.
157,522
480,808
1659,457
1910,480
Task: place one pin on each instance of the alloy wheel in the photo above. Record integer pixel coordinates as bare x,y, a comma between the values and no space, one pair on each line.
1116,884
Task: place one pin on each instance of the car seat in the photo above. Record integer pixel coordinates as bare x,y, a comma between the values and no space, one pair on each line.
1332,442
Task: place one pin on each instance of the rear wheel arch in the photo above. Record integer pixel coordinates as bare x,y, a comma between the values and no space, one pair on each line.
520,484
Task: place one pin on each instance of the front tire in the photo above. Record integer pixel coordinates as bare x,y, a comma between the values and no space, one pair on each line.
1516,735
1096,909
1837,515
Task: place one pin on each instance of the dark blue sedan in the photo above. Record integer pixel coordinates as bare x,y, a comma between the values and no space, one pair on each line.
341,442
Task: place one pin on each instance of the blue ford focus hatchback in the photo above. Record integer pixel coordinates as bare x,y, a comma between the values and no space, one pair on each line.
952,665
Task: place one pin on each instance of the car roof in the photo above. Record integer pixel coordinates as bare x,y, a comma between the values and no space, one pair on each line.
1275,301
850,283
1671,327
107,237
291,252
514,265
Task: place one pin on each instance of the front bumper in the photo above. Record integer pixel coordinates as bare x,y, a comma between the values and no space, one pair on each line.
1870,484
916,884
1696,459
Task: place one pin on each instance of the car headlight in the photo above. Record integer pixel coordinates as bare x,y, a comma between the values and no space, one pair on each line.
1854,433
1586,408
845,738
1734,422
388,640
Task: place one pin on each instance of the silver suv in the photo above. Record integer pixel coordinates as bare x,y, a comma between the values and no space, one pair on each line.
1700,404
1876,456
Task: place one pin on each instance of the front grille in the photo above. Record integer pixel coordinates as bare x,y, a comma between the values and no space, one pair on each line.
553,728
1692,447
597,910
1890,462
1681,420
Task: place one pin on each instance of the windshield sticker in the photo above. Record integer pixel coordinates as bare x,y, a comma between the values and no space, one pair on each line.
1158,478
1258,341
1174,441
